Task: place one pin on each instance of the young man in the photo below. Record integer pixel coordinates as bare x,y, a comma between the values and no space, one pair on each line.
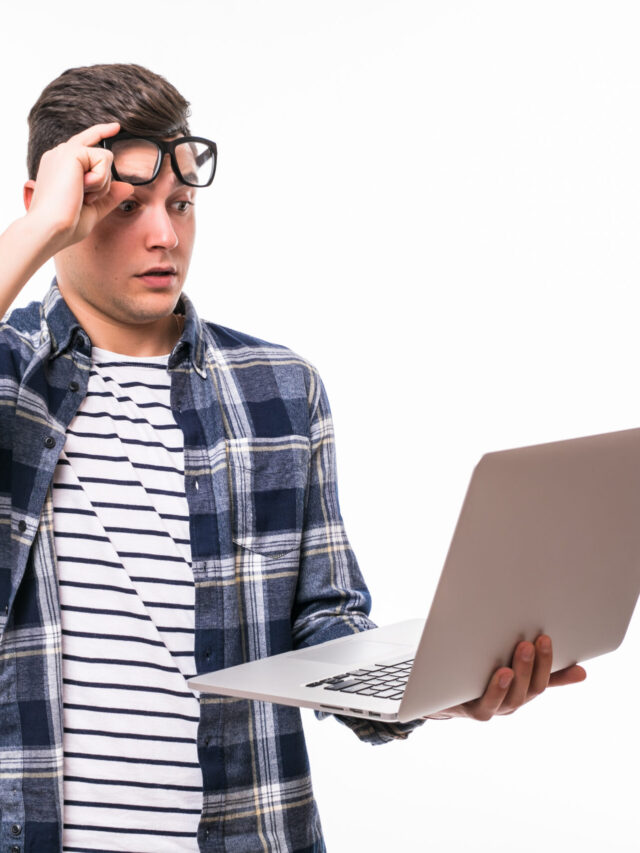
168,506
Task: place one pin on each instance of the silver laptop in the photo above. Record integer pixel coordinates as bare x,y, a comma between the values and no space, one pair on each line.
547,541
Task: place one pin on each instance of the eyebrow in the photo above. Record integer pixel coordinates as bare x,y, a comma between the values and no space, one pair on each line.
174,180
128,179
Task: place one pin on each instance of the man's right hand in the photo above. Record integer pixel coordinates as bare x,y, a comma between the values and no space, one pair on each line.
73,189
72,192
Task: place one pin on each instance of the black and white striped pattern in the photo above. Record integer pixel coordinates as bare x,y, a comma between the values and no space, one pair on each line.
132,781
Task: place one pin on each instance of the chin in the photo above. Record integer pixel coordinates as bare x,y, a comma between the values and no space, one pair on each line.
154,306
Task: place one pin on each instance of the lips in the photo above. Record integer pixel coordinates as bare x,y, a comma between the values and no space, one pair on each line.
158,271
159,278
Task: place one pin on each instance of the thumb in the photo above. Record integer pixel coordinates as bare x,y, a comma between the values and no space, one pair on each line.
569,675
119,191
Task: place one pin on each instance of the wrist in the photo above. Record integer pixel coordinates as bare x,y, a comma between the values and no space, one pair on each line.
24,247
40,236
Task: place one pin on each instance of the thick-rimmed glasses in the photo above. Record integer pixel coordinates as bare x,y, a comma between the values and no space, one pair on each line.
137,160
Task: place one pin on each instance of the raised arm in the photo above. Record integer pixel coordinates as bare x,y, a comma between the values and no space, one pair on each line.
72,192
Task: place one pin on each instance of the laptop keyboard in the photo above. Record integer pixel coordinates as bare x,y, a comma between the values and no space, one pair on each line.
386,682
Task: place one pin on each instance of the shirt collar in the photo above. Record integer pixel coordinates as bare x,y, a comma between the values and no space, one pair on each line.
191,341
60,321
64,330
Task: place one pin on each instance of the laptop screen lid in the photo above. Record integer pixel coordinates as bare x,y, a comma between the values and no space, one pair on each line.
547,541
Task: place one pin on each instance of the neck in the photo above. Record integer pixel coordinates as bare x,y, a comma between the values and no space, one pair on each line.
136,340
149,337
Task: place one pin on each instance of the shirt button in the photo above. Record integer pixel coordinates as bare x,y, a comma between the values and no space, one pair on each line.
15,848
207,652
22,526
73,385
49,441
16,829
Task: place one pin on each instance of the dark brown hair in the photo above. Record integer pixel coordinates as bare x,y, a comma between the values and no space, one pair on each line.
143,102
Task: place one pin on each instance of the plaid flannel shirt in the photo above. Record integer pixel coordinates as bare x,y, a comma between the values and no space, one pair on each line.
272,566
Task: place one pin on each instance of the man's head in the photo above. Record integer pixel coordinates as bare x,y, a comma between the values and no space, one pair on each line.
144,103
102,276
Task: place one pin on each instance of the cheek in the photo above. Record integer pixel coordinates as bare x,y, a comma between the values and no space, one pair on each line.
112,246
186,232
101,239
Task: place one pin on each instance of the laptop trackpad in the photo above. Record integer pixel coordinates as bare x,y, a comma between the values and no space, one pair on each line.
355,652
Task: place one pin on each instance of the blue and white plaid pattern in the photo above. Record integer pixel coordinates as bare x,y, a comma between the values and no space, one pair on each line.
272,565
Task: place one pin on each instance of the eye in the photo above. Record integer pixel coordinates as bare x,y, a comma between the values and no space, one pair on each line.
183,205
127,206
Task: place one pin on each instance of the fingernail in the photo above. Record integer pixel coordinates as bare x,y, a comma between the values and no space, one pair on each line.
505,679
545,645
527,654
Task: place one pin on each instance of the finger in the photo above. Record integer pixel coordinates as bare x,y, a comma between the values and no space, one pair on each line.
118,192
487,705
522,665
93,196
94,134
569,675
98,176
96,165
114,191
542,665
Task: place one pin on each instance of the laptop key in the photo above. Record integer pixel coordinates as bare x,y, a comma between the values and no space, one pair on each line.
341,685
386,694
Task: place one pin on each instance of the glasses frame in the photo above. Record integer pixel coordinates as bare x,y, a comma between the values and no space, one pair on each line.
164,148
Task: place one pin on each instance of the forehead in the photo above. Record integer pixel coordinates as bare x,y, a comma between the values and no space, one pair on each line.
139,146
138,158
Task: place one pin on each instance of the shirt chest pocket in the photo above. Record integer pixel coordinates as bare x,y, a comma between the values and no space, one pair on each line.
268,491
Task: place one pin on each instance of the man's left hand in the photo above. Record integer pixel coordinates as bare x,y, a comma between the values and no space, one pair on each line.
509,688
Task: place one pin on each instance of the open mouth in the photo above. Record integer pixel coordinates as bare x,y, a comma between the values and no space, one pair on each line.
158,278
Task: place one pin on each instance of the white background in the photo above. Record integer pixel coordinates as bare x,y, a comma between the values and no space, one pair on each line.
437,204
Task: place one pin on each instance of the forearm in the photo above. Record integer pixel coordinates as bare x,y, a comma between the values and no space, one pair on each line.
332,598
24,247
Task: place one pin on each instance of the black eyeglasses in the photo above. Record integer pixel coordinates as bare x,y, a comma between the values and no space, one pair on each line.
137,160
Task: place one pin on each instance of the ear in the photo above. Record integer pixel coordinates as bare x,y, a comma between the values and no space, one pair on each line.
27,193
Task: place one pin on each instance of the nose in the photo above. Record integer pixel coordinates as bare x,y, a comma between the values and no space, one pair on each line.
159,230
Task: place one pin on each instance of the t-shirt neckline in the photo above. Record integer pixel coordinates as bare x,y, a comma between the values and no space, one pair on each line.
108,355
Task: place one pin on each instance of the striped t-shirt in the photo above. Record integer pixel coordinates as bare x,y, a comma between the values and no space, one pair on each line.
132,781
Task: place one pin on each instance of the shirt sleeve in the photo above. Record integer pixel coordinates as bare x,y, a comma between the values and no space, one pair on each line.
332,598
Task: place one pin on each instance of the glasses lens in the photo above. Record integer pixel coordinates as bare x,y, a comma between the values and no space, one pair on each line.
135,160
196,162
